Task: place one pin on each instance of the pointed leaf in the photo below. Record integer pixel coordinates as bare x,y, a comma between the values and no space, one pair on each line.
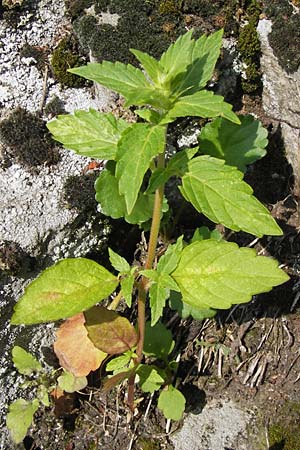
214,274
203,60
69,383
113,381
177,57
73,348
158,297
168,262
218,191
89,133
118,77
158,341
150,379
202,104
19,418
150,64
108,331
172,403
205,233
118,262
184,310
127,285
148,114
150,96
119,363
238,145
138,146
67,288
25,363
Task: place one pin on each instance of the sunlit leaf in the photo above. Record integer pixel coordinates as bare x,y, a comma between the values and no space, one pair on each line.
69,383
24,361
118,262
205,233
150,379
108,331
150,64
63,290
127,284
202,104
184,310
238,145
138,146
169,260
19,418
172,403
89,133
120,363
216,275
218,191
75,351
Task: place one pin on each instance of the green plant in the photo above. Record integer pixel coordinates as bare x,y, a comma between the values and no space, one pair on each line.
197,277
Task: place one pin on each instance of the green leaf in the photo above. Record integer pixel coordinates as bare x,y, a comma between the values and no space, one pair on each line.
148,114
118,262
138,146
43,396
168,262
19,418
172,403
213,274
120,363
108,331
177,57
184,310
63,290
118,77
176,166
202,104
150,64
238,145
203,60
113,204
89,133
158,341
158,297
25,363
69,383
127,285
150,379
205,233
150,96
217,190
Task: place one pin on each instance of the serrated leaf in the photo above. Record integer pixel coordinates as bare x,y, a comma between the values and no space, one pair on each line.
218,191
158,297
89,133
213,274
119,363
108,331
176,166
238,145
205,233
177,57
150,96
69,383
19,418
172,403
150,379
138,146
118,77
203,60
127,285
75,351
184,310
63,290
158,341
118,262
150,64
113,204
202,104
25,363
169,260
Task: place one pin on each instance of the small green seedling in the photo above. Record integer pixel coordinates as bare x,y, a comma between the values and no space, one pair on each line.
196,278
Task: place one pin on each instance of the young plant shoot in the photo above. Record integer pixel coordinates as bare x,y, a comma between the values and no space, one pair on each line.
197,277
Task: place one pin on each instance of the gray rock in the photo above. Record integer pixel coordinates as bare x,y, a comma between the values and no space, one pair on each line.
281,99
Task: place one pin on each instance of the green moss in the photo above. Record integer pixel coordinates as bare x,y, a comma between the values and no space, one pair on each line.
27,139
65,57
285,435
76,7
170,6
146,444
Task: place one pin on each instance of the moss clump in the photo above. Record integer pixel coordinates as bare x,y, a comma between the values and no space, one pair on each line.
13,259
54,107
249,48
285,435
76,7
26,138
170,6
79,192
65,57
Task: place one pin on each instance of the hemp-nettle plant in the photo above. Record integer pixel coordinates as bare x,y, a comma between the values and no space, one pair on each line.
197,277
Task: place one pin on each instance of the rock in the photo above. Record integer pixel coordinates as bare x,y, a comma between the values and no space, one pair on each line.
281,99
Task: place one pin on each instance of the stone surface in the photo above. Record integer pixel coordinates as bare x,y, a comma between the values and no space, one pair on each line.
281,99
